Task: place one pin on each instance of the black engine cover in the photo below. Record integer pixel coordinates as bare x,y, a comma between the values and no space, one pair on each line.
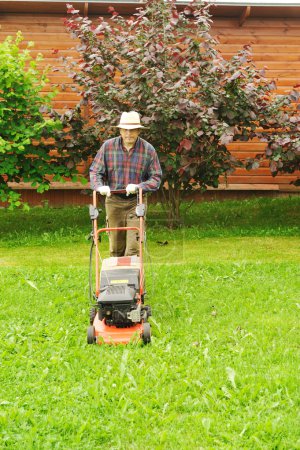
114,302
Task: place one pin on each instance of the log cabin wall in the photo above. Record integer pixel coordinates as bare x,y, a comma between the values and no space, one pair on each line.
274,34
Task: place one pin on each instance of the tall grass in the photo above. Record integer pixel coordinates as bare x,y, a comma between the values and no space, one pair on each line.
255,217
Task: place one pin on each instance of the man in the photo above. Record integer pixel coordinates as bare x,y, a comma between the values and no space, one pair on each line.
127,162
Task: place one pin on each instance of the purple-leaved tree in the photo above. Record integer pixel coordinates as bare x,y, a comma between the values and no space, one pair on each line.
164,63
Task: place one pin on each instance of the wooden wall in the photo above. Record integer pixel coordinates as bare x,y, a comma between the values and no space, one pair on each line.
275,43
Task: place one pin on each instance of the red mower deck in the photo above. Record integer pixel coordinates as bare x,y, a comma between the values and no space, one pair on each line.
112,335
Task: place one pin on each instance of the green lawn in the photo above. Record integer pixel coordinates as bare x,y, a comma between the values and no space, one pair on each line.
222,371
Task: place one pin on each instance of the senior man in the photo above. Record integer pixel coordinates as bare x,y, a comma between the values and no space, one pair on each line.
126,162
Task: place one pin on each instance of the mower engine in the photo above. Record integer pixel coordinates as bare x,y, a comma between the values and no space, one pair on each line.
118,301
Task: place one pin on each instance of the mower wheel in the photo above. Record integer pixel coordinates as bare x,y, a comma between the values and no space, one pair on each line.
91,338
146,336
93,313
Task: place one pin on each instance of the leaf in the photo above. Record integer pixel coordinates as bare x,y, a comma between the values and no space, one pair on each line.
226,392
255,165
123,364
186,144
157,324
31,284
187,10
43,109
70,164
273,166
291,155
231,376
71,10
294,95
206,422
231,115
206,355
226,138
234,76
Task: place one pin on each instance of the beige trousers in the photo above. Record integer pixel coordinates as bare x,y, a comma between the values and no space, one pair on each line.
120,212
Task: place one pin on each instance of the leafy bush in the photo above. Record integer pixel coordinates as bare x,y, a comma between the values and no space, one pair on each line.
163,63
25,154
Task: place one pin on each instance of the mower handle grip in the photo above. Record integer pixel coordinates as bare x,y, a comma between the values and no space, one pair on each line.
123,191
120,191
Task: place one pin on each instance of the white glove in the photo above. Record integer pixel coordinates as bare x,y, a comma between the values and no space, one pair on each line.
104,190
131,189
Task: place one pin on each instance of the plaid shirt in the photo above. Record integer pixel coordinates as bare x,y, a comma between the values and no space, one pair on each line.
116,167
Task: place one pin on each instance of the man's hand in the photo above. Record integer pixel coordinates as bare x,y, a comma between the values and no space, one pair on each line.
104,190
131,189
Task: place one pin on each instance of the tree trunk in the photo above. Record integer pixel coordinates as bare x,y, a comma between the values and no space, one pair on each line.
172,200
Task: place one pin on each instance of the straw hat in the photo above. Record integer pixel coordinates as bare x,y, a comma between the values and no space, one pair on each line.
130,120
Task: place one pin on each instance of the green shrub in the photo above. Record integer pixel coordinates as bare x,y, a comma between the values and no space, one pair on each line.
24,154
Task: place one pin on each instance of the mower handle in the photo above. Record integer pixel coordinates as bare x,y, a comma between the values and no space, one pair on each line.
139,193
118,191
96,232
123,191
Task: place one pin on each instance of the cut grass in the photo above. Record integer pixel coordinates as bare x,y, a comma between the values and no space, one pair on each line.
222,370
179,251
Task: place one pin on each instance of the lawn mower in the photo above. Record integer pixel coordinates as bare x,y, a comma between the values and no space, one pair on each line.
118,315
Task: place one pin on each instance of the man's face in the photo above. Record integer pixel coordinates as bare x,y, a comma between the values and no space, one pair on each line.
129,137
